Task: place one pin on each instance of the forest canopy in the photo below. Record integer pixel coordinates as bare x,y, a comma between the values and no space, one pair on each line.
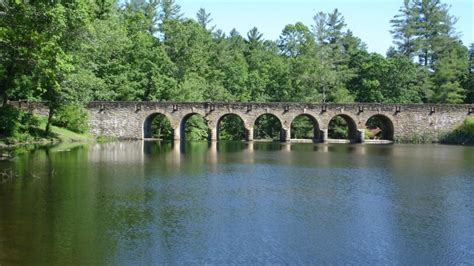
76,51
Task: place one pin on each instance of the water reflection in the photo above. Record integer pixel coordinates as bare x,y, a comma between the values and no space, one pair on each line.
236,202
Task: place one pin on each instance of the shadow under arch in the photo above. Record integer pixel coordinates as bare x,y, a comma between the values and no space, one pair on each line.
305,126
157,125
268,127
197,130
380,127
343,127
231,126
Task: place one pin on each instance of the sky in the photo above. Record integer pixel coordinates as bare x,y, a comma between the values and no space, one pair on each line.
368,19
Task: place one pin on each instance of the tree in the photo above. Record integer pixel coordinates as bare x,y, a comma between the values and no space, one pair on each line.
17,21
334,24
254,38
188,45
170,10
451,71
395,79
204,19
470,82
296,40
54,64
331,70
405,29
434,25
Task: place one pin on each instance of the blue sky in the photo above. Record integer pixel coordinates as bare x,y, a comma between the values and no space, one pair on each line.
368,19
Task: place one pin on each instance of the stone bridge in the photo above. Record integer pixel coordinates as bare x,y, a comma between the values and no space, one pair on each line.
132,120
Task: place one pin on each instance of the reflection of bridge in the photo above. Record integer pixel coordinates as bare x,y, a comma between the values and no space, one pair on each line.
132,119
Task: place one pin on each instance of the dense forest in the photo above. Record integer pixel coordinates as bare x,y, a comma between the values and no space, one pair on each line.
70,52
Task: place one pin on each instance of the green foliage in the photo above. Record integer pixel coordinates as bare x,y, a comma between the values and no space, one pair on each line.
469,123
425,30
302,127
338,128
231,127
196,128
416,139
72,52
368,134
161,128
463,135
72,117
17,125
267,127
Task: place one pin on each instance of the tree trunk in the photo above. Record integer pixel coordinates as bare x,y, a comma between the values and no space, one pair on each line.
50,118
4,99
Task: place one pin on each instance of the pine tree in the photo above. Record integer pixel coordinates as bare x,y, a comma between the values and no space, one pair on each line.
204,19
405,29
170,10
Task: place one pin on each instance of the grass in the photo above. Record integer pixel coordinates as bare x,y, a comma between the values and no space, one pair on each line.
61,138
56,135
415,139
63,135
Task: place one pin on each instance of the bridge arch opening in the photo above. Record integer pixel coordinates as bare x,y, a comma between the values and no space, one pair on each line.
230,127
157,126
305,126
379,127
343,127
193,127
267,127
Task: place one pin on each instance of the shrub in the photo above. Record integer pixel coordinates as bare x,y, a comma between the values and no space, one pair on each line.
463,135
72,117
17,125
416,139
469,124
368,134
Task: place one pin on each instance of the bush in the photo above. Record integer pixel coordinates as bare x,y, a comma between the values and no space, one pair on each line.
415,139
72,117
18,125
469,123
463,135
368,134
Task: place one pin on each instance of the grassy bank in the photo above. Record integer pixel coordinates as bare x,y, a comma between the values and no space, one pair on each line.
463,135
12,146
20,127
39,136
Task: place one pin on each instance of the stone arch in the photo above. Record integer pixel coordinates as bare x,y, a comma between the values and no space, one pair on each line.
316,128
274,119
185,118
147,124
352,132
250,123
226,115
381,127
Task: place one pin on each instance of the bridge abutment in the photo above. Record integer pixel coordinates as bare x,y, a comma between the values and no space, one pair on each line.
212,134
285,135
249,134
361,135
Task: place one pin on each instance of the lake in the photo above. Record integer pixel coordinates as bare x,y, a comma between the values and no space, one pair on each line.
238,203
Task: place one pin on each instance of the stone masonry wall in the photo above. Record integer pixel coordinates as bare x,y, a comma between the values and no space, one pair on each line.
126,120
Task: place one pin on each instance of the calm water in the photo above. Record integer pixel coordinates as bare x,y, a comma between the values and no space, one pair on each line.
152,203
